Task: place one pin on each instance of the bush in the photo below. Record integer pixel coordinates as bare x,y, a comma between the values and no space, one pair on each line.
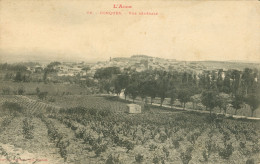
6,90
226,152
147,107
176,144
20,91
92,111
12,107
163,137
205,155
156,160
104,113
42,95
52,99
186,156
99,149
112,159
27,129
139,158
250,161
152,147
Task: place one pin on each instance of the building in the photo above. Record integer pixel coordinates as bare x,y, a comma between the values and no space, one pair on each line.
134,108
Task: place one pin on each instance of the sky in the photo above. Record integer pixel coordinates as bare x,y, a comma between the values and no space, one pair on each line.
183,30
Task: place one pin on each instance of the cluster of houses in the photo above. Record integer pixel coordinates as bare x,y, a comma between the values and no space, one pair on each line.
63,69
70,69
35,69
138,63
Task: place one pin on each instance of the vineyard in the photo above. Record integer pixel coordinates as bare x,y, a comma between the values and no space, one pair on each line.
96,129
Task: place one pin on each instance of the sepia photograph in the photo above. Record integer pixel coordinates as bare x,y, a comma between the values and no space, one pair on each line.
129,82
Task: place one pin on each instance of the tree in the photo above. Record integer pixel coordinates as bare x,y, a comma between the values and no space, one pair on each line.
226,84
6,90
37,90
132,89
220,80
253,100
237,102
223,100
209,99
105,85
86,69
126,93
142,89
235,76
18,77
106,76
121,82
49,69
106,73
21,90
42,95
195,100
173,95
151,89
247,79
162,87
184,96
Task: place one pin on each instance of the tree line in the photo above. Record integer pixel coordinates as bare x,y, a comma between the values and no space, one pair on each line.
217,88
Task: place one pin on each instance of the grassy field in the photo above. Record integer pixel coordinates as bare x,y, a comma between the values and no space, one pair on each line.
97,129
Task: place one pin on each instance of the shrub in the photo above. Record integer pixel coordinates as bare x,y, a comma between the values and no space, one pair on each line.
104,113
176,144
250,161
20,91
226,152
42,95
113,159
37,90
92,111
210,147
205,155
156,160
166,151
147,107
12,107
186,156
163,137
52,99
139,158
6,90
27,129
192,138
99,149
152,147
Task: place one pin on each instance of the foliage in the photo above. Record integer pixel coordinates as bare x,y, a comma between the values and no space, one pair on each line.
20,90
209,99
254,101
238,101
186,156
184,96
27,129
139,158
42,95
226,152
113,159
6,90
12,107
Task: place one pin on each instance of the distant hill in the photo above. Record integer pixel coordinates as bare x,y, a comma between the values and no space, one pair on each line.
229,64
